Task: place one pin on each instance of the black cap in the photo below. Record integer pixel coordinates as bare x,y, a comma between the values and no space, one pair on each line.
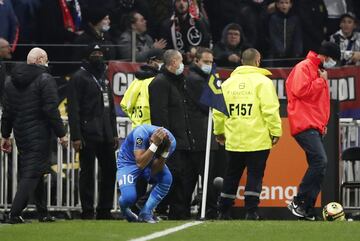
95,15
348,15
93,47
156,54
330,49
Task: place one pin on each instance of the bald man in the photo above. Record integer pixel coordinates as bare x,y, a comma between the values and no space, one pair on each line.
248,133
30,110
5,53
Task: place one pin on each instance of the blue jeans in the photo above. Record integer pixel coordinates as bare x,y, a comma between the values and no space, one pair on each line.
311,142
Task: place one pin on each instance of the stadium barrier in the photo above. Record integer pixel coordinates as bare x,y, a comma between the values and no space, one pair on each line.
349,172
62,183
62,192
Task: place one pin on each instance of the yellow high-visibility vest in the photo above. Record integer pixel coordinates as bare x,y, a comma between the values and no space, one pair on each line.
253,107
135,102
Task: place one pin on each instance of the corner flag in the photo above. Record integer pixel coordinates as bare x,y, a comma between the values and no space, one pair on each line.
212,95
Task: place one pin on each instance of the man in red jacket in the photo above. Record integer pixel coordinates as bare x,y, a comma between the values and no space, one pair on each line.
308,113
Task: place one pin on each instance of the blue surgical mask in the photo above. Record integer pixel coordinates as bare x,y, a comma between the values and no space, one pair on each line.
180,70
329,64
206,68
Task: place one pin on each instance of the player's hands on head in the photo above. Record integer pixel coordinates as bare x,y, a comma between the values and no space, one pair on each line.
158,136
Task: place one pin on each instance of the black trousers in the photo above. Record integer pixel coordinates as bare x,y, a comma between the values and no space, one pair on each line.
105,153
176,196
255,162
310,186
27,187
194,166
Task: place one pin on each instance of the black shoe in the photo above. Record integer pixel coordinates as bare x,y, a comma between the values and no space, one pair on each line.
104,216
224,215
252,216
47,219
297,209
16,220
87,215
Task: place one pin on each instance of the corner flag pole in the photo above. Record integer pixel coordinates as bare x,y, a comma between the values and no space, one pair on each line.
206,167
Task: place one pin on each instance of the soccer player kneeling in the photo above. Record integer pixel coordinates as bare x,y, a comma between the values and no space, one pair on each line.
143,155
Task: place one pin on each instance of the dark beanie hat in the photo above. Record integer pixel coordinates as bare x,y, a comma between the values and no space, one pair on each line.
93,47
330,49
95,15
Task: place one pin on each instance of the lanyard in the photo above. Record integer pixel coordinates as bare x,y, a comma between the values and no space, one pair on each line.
94,78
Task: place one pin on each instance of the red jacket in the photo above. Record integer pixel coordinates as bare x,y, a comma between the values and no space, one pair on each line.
308,97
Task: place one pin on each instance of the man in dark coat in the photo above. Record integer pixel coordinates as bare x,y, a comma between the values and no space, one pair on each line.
93,132
166,100
197,79
5,53
30,109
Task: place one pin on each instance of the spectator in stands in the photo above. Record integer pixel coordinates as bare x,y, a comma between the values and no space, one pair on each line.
285,34
62,26
145,45
93,131
313,17
120,8
186,28
9,23
30,110
335,10
348,40
5,53
143,155
97,24
197,79
227,52
167,109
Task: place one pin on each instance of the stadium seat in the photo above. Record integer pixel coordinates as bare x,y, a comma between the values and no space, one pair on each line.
350,183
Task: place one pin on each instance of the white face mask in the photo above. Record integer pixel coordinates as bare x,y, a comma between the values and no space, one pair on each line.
329,64
206,68
160,65
105,28
180,69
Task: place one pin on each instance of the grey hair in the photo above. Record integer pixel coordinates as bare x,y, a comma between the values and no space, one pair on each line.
169,55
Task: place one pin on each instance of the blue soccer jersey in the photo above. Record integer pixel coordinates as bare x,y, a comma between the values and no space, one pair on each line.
139,139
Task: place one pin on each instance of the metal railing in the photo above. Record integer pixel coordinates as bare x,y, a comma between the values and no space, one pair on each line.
349,137
62,192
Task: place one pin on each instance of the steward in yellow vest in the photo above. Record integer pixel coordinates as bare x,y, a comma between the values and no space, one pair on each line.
135,102
252,128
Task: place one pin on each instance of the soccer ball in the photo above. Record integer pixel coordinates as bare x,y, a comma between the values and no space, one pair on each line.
333,212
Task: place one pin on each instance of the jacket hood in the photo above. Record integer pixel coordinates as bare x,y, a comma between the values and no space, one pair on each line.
247,69
24,74
313,57
145,72
225,33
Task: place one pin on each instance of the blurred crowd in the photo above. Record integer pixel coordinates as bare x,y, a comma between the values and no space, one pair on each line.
281,29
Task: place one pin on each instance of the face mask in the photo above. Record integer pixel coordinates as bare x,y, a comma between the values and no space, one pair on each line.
329,64
96,60
46,64
180,69
159,66
105,28
206,68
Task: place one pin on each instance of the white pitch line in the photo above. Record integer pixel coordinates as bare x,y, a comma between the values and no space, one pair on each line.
167,231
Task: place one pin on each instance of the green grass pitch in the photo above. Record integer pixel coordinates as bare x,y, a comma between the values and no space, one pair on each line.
79,230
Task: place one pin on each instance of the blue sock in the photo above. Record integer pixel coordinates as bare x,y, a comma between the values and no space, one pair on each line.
158,193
